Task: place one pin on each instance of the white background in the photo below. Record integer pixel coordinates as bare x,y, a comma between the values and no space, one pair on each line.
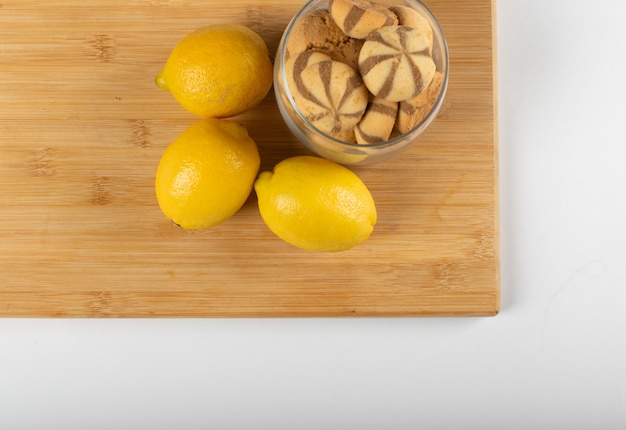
555,357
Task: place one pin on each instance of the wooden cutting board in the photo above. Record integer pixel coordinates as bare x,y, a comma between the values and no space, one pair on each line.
82,129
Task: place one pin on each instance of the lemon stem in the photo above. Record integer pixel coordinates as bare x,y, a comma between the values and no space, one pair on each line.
160,81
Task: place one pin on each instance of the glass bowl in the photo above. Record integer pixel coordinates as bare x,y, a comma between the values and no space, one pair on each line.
349,153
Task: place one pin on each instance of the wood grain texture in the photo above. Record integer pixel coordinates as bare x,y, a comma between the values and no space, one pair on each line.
83,126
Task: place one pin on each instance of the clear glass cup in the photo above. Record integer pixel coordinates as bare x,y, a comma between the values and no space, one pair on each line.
345,152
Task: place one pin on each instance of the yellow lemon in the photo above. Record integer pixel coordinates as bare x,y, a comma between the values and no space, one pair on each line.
316,204
218,71
205,175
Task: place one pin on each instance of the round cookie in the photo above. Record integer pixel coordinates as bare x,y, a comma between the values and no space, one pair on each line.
395,63
332,96
295,65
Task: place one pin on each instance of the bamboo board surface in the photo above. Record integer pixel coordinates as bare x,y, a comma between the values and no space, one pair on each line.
82,129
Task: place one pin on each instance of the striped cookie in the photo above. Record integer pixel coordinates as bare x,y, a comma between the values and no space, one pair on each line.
358,18
377,123
297,64
395,63
331,95
412,18
413,111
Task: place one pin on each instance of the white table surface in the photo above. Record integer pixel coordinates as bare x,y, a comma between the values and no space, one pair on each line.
554,358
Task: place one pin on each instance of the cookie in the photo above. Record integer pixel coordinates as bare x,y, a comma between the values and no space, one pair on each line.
331,95
297,64
412,112
377,122
395,63
359,18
